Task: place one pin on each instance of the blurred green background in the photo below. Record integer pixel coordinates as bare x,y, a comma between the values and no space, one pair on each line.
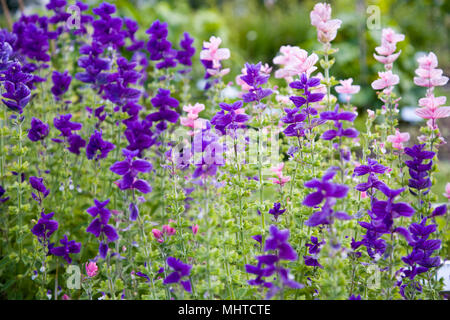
254,30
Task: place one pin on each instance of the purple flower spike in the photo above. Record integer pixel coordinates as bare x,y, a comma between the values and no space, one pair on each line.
98,148
372,167
63,124
39,130
276,211
278,241
231,119
184,56
254,78
418,170
439,211
325,189
66,249
337,116
181,270
159,47
328,191
45,227
38,185
130,169
61,83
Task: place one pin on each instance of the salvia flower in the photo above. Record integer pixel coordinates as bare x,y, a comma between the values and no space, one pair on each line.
420,259
129,170
107,29
278,242
212,52
432,108
94,65
387,79
139,135
230,117
313,249
164,102
276,211
447,191
321,19
210,57
439,211
418,170
61,83
159,47
38,185
294,61
181,270
132,28
33,37
388,46
254,78
383,212
38,131
337,116
346,88
187,51
398,139
428,74
97,148
17,92
58,7
99,227
45,227
65,126
326,191
372,167
67,248
117,89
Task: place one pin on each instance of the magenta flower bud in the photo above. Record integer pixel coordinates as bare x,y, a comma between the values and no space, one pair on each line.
158,235
91,269
169,230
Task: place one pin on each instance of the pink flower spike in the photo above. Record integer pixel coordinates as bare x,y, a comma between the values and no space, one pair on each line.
194,109
91,269
391,37
211,52
447,191
432,108
294,61
346,87
398,139
387,79
388,60
427,113
321,19
428,74
66,297
195,229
